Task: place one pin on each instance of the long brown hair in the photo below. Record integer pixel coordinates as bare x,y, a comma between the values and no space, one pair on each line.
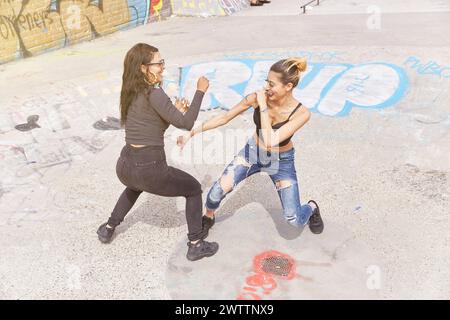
290,69
133,80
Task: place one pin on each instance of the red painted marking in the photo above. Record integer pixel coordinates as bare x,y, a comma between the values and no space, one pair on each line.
249,289
245,296
263,280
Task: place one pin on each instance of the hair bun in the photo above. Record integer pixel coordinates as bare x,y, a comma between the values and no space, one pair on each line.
300,63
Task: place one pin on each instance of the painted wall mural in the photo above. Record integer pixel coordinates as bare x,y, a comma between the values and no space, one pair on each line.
159,9
207,8
197,8
233,6
30,27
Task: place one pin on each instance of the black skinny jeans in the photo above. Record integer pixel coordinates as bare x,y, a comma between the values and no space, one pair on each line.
146,169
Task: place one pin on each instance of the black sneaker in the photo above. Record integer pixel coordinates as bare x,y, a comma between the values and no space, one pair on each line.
201,249
315,221
105,234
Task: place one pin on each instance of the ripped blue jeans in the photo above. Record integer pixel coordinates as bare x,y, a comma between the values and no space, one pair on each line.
281,169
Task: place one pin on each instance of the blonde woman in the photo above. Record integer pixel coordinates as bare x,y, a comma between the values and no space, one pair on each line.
277,116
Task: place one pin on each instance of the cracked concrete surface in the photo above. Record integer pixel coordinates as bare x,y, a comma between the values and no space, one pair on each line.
380,176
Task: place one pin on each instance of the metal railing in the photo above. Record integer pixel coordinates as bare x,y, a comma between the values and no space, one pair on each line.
304,6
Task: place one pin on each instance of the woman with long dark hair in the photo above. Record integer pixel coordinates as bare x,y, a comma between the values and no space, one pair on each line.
270,149
146,113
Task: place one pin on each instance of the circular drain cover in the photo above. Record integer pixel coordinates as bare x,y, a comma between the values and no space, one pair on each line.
276,265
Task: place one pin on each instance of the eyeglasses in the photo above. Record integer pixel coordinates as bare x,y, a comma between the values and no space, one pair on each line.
161,63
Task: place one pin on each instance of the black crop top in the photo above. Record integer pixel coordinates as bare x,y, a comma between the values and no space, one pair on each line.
257,120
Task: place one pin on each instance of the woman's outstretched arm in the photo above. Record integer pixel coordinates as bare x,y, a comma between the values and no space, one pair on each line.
161,102
165,108
221,119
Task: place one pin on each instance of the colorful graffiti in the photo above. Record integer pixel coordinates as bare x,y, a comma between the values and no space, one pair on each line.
159,9
233,6
29,27
139,12
207,8
331,89
197,8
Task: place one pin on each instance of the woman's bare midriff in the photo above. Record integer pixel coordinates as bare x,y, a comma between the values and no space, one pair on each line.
137,145
273,149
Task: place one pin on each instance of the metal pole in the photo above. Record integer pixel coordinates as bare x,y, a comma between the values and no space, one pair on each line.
180,74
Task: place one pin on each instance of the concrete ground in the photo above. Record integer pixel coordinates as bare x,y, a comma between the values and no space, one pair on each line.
375,155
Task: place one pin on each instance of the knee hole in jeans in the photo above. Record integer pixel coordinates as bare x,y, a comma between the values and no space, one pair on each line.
226,183
227,179
282,184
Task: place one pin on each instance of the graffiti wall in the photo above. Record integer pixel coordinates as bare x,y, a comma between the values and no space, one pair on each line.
29,28
233,6
206,8
197,8
159,9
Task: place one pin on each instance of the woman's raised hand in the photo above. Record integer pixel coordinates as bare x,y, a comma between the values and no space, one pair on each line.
203,84
182,104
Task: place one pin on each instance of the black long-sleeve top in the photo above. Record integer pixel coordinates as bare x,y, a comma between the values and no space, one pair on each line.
151,113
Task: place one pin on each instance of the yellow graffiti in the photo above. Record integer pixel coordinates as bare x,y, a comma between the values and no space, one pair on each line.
192,7
113,14
39,28
157,8
31,27
9,41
